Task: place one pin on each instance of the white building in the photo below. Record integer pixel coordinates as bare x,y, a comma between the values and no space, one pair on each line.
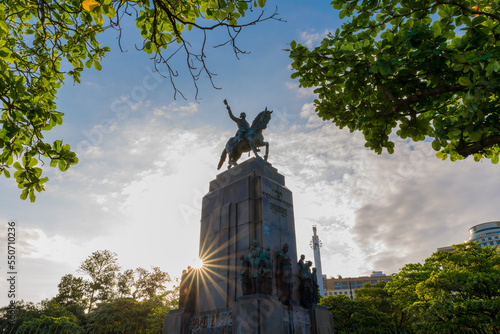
486,234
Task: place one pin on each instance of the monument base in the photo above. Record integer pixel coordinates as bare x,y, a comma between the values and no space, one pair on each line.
247,228
252,314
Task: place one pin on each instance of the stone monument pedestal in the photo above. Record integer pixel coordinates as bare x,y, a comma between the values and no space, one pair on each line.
252,314
247,205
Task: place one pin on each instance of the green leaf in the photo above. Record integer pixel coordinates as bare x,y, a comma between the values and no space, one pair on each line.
3,26
337,4
5,53
18,166
478,20
24,194
63,166
464,81
460,58
436,145
32,162
97,65
32,196
436,27
493,66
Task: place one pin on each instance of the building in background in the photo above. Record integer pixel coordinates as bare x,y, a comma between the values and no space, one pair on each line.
347,285
446,249
316,245
486,234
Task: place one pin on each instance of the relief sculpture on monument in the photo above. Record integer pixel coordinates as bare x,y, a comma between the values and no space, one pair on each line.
256,271
284,275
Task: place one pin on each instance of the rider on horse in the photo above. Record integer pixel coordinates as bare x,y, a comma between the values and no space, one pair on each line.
247,139
242,123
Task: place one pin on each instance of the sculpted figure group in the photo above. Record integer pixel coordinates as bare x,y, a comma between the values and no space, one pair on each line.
257,271
309,293
187,288
257,275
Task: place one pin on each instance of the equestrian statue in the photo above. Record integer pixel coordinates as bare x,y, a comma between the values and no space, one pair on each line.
248,138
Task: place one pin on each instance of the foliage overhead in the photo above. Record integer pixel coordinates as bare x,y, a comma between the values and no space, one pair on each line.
43,43
429,69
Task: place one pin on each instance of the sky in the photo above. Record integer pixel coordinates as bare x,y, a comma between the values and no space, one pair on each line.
146,160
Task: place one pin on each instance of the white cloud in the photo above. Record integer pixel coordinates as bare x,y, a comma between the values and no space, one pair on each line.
299,91
175,109
308,112
92,84
311,39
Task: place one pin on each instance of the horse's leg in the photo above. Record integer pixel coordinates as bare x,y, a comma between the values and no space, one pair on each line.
237,157
254,149
234,156
267,149
231,161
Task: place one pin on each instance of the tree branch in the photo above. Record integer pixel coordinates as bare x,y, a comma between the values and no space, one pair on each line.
428,93
467,9
466,149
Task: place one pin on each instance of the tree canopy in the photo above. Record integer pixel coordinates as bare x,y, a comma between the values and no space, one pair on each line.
43,43
419,69
102,268
451,290
49,325
126,315
371,311
108,300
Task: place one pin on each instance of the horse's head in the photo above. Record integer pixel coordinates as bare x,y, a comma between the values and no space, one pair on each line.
260,122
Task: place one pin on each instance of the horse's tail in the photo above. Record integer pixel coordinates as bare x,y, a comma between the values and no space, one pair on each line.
222,159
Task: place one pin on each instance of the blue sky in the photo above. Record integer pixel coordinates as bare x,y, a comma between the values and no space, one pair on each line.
146,161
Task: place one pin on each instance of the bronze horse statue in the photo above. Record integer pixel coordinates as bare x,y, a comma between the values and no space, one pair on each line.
252,139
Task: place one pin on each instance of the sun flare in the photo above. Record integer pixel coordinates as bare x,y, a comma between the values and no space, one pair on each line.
197,263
